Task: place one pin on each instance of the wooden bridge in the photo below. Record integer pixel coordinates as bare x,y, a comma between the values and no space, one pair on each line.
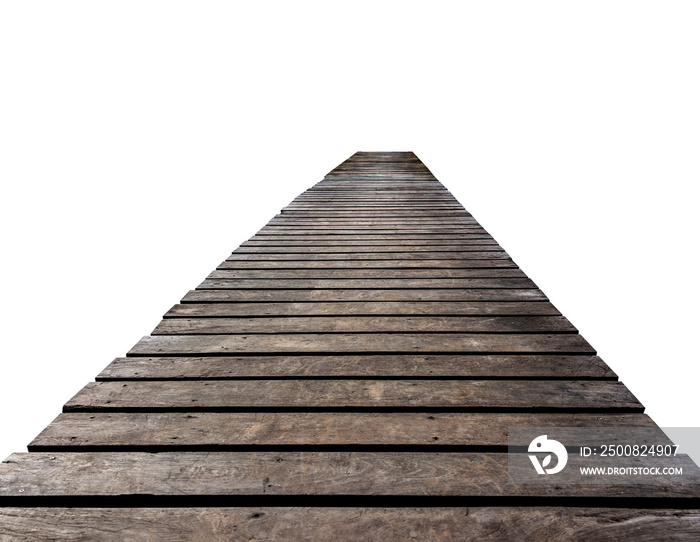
348,373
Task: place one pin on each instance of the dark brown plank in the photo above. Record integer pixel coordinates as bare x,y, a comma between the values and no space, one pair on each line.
337,343
304,473
370,230
397,208
369,264
389,229
354,284
365,324
259,296
350,524
483,395
263,241
507,308
366,366
496,255
396,238
284,249
74,431
359,213
403,273
379,219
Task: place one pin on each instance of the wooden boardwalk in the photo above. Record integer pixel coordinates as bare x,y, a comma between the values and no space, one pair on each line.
351,373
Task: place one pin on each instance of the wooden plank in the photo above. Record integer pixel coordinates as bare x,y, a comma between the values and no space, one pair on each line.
397,224
386,366
409,273
163,431
392,239
328,474
348,223
359,213
458,226
368,264
303,296
377,219
377,190
442,203
382,208
264,242
377,199
368,256
351,524
373,230
375,202
367,232
339,343
463,395
364,324
454,308
325,249
365,284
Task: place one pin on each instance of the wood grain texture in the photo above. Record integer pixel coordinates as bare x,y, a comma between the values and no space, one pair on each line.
436,263
162,431
393,238
399,343
326,474
365,324
374,284
282,249
387,308
263,242
362,366
495,255
406,232
484,395
372,274
312,296
352,524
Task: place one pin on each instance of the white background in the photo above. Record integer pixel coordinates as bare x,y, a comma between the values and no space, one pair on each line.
141,142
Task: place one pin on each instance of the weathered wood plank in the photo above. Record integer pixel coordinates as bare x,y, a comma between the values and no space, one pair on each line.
365,324
345,209
366,213
304,474
368,264
406,273
389,222
266,242
302,296
396,234
74,431
483,395
285,219
338,343
365,225
364,366
365,284
349,524
296,249
370,230
454,308
445,203
369,256
360,232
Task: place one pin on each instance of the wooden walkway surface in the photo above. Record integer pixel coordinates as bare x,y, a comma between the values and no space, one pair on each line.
350,372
